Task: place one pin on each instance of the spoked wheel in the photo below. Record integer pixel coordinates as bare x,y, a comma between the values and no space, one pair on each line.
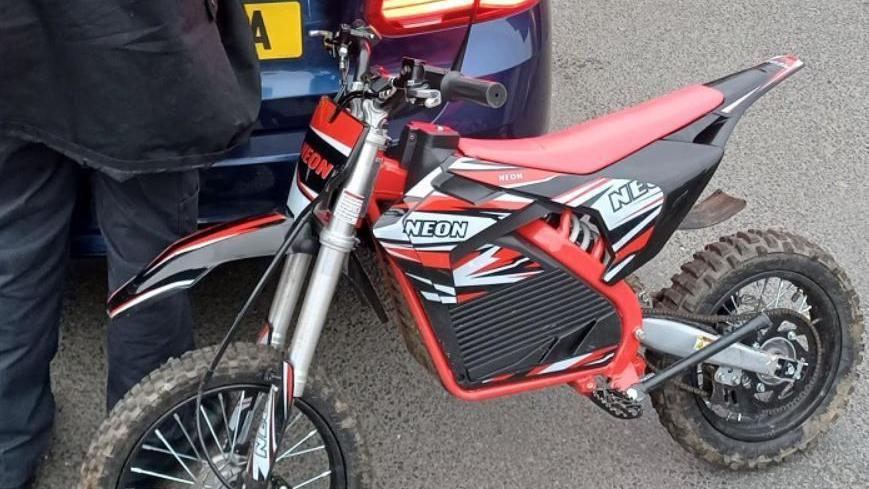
171,456
150,441
745,420
757,407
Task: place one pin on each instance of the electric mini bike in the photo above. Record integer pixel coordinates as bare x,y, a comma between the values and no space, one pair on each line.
507,266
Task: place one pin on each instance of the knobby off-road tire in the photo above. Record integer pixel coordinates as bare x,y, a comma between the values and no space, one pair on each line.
701,283
178,380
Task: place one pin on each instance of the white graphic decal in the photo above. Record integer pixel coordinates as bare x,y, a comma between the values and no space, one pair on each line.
469,226
422,228
505,197
349,207
618,201
423,188
264,444
472,273
622,200
472,164
636,230
618,268
149,294
449,298
564,364
297,201
341,147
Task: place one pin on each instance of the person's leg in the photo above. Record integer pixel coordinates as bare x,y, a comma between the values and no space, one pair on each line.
139,218
37,194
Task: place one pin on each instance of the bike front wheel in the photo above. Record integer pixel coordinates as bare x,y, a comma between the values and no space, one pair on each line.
150,438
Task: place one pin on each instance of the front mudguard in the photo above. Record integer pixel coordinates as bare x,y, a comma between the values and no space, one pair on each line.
187,261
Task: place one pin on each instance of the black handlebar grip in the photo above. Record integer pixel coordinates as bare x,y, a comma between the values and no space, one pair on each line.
455,86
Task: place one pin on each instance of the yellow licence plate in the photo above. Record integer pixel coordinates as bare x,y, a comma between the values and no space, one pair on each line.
277,29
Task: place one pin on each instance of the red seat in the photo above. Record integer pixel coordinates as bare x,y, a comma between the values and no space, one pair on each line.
593,145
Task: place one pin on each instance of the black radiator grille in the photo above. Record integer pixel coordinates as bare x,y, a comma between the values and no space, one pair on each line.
516,325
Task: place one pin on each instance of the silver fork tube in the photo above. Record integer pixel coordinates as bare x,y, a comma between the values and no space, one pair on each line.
287,295
337,240
324,280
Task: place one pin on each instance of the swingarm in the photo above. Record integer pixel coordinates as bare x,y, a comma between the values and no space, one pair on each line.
694,346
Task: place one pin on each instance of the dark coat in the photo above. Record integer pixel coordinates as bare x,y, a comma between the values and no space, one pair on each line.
129,85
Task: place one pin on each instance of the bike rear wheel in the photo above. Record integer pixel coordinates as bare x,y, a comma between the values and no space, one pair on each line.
757,421
150,438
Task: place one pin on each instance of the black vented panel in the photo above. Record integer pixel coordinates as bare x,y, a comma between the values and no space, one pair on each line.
517,326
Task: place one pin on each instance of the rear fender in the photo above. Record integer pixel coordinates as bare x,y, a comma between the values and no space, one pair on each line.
746,87
715,209
190,259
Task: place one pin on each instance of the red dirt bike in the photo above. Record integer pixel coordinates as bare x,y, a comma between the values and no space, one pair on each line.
507,264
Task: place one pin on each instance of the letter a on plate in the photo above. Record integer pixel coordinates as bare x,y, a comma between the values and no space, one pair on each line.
277,29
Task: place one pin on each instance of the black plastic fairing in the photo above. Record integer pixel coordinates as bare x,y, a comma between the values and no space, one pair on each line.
477,193
539,321
355,272
681,171
465,189
507,225
424,147
740,90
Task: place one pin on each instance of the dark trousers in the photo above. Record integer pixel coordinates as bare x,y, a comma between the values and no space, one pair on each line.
139,218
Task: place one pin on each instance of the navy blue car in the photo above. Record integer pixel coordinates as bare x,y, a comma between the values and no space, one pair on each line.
509,41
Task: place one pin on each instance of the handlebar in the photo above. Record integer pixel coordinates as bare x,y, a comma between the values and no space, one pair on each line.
417,83
455,86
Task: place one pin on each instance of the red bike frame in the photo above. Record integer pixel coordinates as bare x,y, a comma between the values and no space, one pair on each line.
626,366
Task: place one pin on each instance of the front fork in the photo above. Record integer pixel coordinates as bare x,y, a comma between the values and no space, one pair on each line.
337,240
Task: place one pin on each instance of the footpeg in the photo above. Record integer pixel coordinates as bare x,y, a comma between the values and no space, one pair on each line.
616,403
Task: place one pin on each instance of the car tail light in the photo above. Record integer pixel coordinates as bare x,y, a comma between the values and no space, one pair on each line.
401,17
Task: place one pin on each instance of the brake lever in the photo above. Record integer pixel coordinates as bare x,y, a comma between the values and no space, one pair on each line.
362,32
365,32
328,40
431,98
321,33
339,44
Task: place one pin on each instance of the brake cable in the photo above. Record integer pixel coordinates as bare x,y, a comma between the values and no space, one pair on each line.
299,224
289,240
459,60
